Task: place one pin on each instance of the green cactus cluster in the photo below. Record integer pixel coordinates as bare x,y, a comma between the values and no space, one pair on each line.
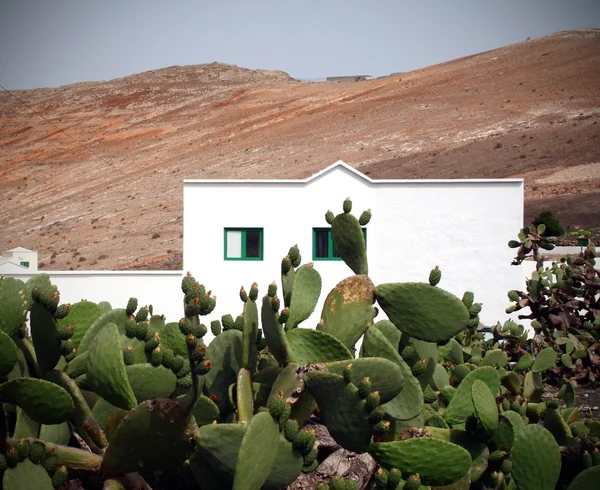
121,398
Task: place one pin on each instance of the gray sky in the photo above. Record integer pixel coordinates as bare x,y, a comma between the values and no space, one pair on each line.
47,43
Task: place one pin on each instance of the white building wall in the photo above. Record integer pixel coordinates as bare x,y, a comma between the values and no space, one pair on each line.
462,226
161,289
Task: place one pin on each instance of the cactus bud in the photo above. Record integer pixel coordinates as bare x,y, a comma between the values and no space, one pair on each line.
286,265
128,355
434,276
130,328
364,388
272,291
37,451
413,482
474,309
409,354
60,476
381,477
239,323
152,344
253,291
381,427
185,368
12,457
215,327
468,298
141,329
62,311
373,401
290,429
277,406
321,325
419,367
329,217
275,304
365,217
66,347
156,357
191,341
429,395
199,330
185,326
243,295
347,206
304,441
376,415
284,315
50,461
142,314
132,305
294,255
227,321
203,367
347,373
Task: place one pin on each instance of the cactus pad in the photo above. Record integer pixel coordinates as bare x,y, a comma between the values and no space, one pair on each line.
14,303
311,346
148,382
81,315
106,371
546,359
586,480
348,309
257,453
8,354
485,405
225,352
343,412
45,337
26,475
536,458
409,402
461,405
43,401
306,292
172,433
421,311
349,242
438,462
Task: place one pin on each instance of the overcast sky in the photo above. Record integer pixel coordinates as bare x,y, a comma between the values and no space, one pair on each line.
47,43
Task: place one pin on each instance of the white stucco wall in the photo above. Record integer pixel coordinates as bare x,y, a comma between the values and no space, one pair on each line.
461,226
161,289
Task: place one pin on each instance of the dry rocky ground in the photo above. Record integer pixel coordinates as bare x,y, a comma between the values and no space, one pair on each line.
528,110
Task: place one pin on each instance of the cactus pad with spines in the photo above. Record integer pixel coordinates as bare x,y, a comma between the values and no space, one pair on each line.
422,312
349,242
484,403
461,405
106,371
343,411
8,354
41,400
438,462
15,300
257,453
148,382
225,352
311,346
409,402
82,315
173,431
536,459
307,288
348,309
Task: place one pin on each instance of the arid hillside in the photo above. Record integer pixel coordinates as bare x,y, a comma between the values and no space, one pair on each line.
527,110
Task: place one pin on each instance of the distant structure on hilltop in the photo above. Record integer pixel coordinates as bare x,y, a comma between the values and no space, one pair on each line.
18,260
350,78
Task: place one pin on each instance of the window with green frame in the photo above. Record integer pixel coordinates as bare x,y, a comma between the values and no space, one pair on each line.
243,244
25,264
323,244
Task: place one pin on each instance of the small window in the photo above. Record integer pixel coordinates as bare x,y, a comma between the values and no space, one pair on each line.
243,243
25,264
323,244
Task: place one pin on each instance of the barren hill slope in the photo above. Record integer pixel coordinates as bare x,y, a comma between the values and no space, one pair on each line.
527,110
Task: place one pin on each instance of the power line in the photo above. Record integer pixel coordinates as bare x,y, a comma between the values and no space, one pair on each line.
80,144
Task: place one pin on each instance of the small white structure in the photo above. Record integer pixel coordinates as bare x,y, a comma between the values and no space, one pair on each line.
237,231
18,261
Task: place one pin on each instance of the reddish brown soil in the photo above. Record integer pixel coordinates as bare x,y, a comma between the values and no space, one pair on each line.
528,110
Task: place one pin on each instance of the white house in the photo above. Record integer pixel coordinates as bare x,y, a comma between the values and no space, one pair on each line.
18,260
237,231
